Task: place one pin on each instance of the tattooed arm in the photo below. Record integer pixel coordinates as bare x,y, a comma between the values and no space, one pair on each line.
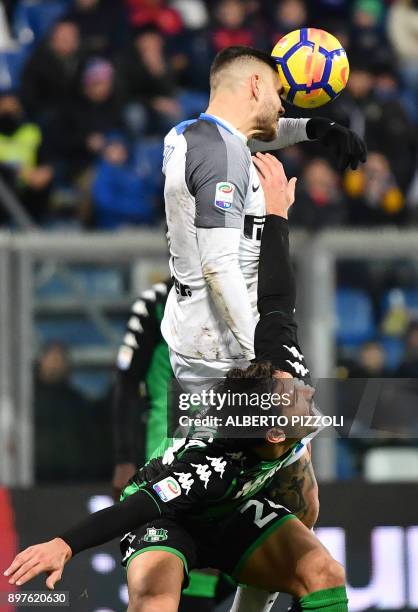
295,487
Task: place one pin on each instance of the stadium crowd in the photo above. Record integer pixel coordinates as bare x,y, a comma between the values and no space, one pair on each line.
89,87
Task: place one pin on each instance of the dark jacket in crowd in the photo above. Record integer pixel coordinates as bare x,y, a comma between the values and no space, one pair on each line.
48,82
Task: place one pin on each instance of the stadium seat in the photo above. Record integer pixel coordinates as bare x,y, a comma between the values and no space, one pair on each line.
11,64
75,331
355,322
92,383
148,158
32,19
95,281
72,331
391,464
192,103
394,349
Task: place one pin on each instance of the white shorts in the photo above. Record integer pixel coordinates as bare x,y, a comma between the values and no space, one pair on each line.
196,375
186,368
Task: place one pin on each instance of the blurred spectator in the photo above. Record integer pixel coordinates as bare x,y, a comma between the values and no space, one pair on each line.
162,78
403,34
51,75
397,316
371,107
320,201
101,24
230,28
21,162
367,38
78,134
191,52
121,196
6,41
154,12
288,15
409,365
375,196
194,13
148,83
66,427
371,362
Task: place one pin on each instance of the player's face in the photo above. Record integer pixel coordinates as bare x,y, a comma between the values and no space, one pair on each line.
271,107
301,405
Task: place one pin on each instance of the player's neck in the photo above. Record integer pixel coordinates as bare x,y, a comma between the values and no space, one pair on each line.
231,112
270,452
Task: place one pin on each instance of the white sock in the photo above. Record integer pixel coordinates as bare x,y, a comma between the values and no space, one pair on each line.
250,599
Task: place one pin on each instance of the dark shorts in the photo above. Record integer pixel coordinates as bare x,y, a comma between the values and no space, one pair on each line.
224,544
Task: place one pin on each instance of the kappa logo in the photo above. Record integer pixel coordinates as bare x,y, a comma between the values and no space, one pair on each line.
298,367
155,535
203,472
128,553
170,452
294,351
185,480
217,464
129,536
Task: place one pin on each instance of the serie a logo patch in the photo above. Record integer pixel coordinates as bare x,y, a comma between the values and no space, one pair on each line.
167,489
224,195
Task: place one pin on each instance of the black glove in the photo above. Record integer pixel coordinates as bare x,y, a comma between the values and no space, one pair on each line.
348,148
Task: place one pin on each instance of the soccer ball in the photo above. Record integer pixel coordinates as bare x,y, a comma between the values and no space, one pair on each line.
312,65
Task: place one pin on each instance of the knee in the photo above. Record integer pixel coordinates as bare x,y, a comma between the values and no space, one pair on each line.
148,601
317,571
145,596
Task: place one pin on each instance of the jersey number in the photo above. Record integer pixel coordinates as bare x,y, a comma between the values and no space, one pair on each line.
259,520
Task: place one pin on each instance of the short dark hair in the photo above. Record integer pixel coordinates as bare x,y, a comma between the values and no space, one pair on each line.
231,54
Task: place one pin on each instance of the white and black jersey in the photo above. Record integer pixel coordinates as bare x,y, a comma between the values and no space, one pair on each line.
215,212
211,185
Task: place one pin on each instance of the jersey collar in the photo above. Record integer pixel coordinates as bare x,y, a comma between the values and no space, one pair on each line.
225,124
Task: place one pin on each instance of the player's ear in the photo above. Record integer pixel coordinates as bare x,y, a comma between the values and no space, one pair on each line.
275,435
255,84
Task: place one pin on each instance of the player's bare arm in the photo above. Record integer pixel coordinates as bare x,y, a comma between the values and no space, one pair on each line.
297,489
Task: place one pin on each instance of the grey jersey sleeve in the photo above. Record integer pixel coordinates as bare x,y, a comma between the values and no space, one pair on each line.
290,131
217,174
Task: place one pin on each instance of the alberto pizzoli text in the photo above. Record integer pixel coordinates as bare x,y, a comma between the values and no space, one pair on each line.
319,421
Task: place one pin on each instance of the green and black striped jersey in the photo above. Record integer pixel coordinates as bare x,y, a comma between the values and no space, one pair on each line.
142,358
206,478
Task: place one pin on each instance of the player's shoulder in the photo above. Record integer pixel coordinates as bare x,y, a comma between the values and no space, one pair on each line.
208,136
